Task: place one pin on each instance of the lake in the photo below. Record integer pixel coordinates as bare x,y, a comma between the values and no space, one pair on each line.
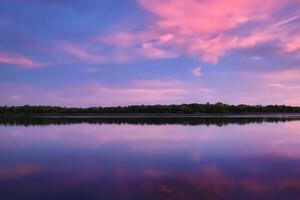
86,158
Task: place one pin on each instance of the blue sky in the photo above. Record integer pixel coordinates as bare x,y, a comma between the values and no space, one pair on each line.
110,52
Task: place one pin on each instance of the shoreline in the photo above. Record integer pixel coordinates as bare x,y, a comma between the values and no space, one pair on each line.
157,115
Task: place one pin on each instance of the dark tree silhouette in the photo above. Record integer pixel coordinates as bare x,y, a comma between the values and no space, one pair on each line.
194,108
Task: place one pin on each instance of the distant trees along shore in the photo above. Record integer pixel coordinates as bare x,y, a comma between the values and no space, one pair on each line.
155,109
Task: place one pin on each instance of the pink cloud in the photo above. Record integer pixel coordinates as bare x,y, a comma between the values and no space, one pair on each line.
204,28
293,44
146,44
207,30
147,50
82,54
19,60
272,87
150,51
196,71
207,17
281,75
151,84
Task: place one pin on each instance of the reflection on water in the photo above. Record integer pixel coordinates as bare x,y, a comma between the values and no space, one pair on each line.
219,121
128,161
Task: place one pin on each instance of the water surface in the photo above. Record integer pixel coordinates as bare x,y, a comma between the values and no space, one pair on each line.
154,159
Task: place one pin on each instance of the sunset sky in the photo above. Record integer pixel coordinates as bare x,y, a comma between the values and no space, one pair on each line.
121,52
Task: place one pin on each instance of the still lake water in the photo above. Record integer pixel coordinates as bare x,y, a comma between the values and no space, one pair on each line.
206,159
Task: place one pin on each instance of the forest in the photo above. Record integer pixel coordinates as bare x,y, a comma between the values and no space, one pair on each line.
194,108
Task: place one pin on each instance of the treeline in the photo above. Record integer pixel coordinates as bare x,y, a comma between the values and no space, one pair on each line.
151,109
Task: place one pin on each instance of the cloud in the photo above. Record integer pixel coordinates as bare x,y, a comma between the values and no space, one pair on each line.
207,30
132,46
82,54
149,51
206,17
269,87
293,44
97,94
196,71
16,97
200,29
281,76
203,30
255,87
19,60
125,39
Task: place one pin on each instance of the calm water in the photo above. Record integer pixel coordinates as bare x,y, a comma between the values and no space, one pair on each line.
211,159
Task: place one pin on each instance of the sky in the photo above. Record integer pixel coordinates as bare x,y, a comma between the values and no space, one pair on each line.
123,52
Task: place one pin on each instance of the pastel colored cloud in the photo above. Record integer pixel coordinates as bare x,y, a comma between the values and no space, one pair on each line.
196,71
203,30
19,60
210,28
277,87
149,51
95,94
132,46
251,48
293,44
269,87
208,16
82,54
207,30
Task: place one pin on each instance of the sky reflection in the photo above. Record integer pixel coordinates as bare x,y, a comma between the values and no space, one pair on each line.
84,161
